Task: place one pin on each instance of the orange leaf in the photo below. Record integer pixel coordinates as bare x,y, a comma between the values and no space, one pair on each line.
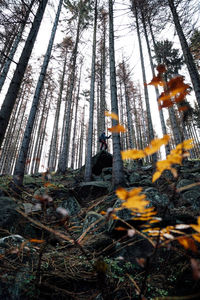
141,261
183,108
166,103
48,184
120,228
112,115
116,129
157,80
161,68
36,241
187,243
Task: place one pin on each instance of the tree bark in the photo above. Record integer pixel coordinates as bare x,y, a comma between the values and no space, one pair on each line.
117,169
149,120
88,164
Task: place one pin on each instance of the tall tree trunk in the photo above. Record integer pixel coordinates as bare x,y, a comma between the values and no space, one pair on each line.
174,126
88,164
162,120
42,138
149,120
14,87
194,75
80,160
103,79
62,163
118,170
20,165
39,129
54,140
75,122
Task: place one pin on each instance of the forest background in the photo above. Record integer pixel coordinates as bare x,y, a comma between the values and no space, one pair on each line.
128,68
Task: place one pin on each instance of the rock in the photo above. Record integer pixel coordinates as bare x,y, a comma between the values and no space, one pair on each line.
184,182
8,214
147,168
39,192
146,182
98,219
11,240
156,199
92,189
139,247
98,242
71,205
134,177
101,160
29,207
192,198
106,174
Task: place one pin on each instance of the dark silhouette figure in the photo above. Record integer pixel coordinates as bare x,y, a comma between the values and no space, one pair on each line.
102,140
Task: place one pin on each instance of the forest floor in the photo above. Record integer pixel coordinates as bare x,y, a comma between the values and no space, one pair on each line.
83,256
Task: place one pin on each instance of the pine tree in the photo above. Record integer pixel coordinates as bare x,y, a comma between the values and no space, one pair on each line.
14,87
118,171
21,161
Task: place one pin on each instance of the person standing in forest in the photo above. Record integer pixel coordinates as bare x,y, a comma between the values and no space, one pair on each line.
102,140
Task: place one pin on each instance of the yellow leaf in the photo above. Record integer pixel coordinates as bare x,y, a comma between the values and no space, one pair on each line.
196,237
156,175
156,144
196,227
112,115
152,148
134,191
154,221
132,154
118,128
121,193
133,199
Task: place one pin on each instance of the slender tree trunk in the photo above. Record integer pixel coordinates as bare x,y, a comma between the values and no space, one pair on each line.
121,116
6,49
39,129
149,120
62,163
175,126
80,160
194,75
14,87
75,122
42,139
88,164
162,120
20,165
118,171
54,140
103,80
